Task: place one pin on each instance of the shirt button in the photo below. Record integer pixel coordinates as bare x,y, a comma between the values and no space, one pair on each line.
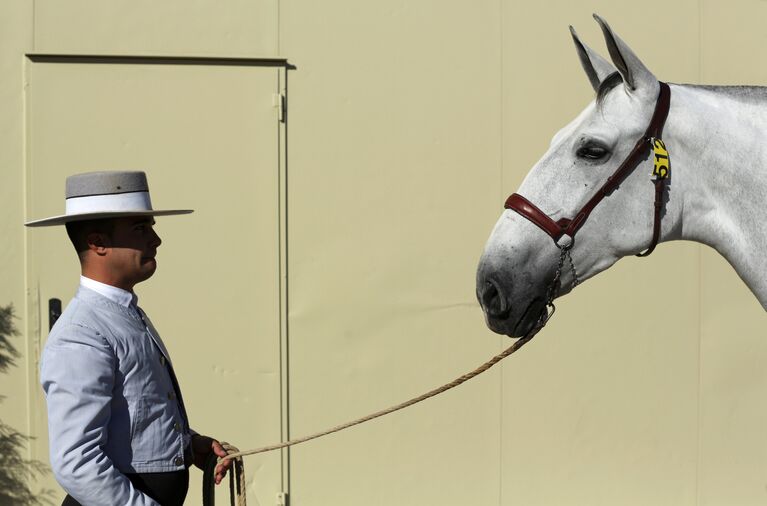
177,427
178,461
162,359
171,396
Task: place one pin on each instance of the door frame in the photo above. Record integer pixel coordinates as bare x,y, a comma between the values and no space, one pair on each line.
36,325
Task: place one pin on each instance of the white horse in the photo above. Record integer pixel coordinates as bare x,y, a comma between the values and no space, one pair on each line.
716,139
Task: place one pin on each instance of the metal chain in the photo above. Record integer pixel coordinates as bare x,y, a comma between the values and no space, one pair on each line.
576,281
553,290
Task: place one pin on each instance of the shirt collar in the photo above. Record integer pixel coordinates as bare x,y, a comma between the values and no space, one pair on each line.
118,295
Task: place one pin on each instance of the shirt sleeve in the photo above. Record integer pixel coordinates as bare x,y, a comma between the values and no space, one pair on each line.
77,372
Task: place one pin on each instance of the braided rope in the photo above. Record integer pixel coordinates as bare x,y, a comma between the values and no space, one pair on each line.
237,482
458,381
237,477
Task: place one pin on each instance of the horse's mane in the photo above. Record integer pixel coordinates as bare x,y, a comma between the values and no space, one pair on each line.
739,92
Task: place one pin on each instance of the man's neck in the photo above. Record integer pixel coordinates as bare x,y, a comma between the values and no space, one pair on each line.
105,276
113,293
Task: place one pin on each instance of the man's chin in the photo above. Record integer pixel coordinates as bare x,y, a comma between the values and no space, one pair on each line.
148,268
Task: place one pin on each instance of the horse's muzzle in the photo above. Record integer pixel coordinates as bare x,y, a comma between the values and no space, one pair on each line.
504,314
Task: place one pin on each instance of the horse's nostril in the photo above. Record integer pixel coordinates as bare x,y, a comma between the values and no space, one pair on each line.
493,300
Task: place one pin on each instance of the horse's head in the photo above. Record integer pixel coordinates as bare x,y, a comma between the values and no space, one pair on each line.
521,259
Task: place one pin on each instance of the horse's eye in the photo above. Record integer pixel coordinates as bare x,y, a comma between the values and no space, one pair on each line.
591,152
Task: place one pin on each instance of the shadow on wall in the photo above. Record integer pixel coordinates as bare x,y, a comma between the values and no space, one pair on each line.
16,473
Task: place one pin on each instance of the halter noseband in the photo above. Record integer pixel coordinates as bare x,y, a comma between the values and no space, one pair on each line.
564,230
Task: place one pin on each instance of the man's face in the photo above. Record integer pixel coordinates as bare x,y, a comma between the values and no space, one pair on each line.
133,248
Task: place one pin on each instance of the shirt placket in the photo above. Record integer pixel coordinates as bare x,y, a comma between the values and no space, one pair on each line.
176,394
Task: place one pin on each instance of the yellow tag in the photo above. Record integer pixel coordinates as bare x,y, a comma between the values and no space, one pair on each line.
662,163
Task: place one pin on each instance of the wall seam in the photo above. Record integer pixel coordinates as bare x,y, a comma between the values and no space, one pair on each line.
500,196
282,93
34,24
700,297
31,341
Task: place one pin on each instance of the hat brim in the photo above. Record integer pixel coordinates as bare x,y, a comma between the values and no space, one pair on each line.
66,218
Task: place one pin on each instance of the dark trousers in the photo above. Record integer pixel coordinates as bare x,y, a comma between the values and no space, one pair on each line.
168,489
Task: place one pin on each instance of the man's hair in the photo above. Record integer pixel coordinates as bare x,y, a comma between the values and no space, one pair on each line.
78,231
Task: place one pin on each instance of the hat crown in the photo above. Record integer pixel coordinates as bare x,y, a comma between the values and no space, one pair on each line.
105,183
106,194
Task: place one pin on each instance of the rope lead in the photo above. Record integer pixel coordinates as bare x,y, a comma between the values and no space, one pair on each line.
238,490
237,483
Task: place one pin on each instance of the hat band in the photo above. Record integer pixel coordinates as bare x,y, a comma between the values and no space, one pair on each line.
131,201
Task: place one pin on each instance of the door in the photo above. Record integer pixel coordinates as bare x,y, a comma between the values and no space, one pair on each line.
207,133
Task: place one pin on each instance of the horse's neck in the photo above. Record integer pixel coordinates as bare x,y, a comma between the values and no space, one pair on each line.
721,174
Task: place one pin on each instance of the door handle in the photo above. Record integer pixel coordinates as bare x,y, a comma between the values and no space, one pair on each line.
54,311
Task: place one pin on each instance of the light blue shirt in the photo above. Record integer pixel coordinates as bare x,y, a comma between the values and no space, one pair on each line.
112,407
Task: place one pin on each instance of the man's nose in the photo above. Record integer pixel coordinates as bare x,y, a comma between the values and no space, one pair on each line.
156,241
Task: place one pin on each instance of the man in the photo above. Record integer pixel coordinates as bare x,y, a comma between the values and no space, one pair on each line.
118,429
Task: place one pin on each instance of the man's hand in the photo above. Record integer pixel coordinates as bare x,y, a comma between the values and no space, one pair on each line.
201,448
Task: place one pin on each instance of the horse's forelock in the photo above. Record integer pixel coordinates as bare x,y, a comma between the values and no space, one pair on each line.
606,85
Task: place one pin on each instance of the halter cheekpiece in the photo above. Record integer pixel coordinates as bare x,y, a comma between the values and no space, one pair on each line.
563,231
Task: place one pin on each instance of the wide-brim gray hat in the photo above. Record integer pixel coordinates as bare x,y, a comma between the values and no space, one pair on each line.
106,194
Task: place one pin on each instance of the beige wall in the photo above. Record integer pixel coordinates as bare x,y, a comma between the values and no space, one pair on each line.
409,124
15,39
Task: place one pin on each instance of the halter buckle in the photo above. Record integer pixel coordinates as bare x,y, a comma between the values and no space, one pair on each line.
565,242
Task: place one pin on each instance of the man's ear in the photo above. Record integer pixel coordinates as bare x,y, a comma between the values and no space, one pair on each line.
98,243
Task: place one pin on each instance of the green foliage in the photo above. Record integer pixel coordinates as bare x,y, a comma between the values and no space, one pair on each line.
8,352
15,470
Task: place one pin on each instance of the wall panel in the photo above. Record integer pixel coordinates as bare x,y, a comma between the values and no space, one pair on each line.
178,27
394,166
18,381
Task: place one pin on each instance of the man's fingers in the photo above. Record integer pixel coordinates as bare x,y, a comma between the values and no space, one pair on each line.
222,466
221,471
218,449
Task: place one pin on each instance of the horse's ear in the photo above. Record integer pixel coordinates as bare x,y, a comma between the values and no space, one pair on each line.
635,75
596,67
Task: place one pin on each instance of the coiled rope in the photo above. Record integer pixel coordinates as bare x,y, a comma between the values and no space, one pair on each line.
236,478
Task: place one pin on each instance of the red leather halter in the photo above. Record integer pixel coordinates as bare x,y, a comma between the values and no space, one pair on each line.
651,139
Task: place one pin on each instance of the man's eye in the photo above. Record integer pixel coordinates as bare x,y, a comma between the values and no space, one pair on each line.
591,152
